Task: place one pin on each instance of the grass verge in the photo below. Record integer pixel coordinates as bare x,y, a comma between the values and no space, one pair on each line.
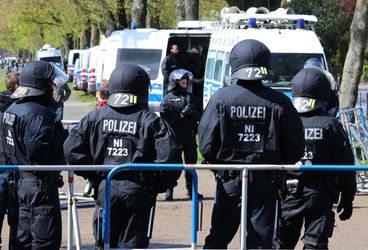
81,96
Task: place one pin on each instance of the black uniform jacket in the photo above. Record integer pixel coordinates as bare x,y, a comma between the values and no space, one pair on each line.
171,107
32,135
113,136
327,144
250,123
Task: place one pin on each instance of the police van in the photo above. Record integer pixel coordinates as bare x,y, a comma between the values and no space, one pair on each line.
50,54
72,58
80,71
290,38
148,48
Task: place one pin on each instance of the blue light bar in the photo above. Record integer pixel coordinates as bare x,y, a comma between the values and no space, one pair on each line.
252,23
300,23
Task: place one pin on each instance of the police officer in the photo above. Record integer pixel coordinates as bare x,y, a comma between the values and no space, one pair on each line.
333,96
33,137
312,194
171,62
182,111
248,123
124,131
8,197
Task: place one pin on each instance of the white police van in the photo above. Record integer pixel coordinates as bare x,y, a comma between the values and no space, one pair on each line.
148,48
80,70
72,58
290,38
50,54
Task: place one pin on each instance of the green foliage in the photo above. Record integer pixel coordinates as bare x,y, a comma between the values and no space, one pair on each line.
333,26
211,10
2,80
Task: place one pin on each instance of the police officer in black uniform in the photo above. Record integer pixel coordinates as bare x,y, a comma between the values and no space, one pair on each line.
248,123
312,193
8,196
124,131
182,111
34,137
172,62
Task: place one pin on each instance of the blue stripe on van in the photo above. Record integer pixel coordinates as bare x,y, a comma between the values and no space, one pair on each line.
154,97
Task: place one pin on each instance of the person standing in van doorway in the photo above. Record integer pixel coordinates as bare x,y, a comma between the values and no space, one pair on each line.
171,63
248,123
182,112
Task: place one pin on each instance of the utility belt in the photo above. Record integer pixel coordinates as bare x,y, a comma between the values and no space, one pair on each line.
131,176
46,176
232,183
297,185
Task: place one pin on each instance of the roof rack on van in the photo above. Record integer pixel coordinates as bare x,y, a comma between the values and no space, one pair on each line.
262,18
195,25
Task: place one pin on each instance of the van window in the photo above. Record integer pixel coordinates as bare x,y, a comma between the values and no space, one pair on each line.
218,66
227,65
54,59
148,59
210,64
75,57
286,65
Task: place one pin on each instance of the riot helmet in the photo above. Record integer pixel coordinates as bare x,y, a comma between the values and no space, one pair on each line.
313,62
310,90
128,86
175,78
333,100
37,78
250,60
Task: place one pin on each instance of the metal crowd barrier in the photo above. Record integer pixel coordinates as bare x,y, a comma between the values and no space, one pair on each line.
354,123
73,224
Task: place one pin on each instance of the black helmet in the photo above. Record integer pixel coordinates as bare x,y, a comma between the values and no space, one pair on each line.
310,90
128,86
37,78
176,76
313,62
250,60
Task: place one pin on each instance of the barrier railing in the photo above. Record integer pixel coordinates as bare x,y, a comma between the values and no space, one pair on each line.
354,123
191,167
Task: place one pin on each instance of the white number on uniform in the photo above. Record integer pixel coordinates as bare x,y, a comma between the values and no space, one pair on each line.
249,137
117,151
308,155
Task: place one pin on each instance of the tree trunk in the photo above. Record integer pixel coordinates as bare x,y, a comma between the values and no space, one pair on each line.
180,11
95,35
122,18
191,9
139,12
353,65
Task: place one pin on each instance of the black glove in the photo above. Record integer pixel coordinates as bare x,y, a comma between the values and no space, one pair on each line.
347,207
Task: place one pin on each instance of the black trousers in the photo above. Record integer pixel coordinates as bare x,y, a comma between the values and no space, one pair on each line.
39,214
260,215
129,214
313,207
189,147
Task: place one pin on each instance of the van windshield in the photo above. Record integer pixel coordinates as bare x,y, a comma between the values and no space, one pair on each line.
148,59
285,66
